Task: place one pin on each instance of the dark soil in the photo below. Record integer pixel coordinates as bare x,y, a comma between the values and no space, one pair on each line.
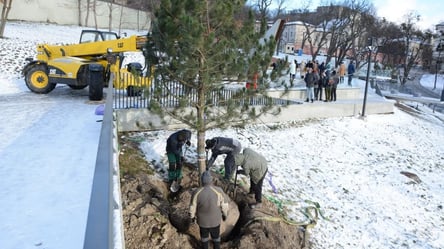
155,218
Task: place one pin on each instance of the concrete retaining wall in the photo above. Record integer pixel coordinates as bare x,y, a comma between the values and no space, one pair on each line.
66,12
346,106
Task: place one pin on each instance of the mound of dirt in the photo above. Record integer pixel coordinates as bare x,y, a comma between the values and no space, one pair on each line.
155,218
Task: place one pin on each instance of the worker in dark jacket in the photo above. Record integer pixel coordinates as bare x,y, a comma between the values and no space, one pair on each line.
209,204
223,145
253,165
174,146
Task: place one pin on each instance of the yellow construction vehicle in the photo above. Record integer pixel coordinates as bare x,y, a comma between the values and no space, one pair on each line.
92,62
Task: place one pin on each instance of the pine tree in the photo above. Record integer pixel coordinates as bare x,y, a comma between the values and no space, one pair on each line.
199,47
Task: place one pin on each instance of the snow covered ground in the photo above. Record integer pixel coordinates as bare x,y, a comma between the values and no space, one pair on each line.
350,166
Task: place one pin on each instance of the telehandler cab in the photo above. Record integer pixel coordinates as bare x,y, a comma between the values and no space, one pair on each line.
97,58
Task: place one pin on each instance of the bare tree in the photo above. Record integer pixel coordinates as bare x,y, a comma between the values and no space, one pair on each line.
79,9
316,29
110,15
414,43
94,7
280,8
386,41
88,4
263,10
7,4
360,15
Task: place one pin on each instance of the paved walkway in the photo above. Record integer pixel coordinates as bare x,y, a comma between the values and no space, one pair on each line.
48,151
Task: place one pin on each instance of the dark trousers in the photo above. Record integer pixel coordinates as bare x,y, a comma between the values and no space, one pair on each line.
333,93
229,166
256,188
174,167
328,93
215,236
318,93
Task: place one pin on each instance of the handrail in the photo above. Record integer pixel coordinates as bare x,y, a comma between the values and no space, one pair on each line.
100,231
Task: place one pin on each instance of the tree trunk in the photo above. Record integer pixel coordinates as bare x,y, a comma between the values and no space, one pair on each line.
5,12
87,12
201,153
120,19
79,5
95,13
110,16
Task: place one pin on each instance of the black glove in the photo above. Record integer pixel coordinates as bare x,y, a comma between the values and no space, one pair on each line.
241,171
224,217
188,143
193,220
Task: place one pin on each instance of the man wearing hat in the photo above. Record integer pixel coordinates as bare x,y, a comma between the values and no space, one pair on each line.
223,145
209,204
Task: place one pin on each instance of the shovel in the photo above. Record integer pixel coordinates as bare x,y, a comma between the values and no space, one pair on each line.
235,185
175,186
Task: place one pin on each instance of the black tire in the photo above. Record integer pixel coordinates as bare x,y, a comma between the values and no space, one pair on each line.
95,82
96,90
37,79
77,87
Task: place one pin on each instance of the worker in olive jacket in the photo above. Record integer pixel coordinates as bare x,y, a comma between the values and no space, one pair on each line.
253,165
209,204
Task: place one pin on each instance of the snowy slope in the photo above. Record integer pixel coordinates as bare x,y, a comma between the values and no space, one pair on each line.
350,166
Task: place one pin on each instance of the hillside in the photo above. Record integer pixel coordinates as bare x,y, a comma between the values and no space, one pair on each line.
378,180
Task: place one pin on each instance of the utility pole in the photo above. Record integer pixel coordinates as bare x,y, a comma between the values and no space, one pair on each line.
439,49
369,55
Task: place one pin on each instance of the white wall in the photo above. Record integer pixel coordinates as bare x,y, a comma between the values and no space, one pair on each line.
66,12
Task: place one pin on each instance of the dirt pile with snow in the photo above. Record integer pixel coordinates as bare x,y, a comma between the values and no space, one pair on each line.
155,218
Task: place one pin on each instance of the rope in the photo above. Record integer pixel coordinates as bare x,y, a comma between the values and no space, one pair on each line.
308,224
271,182
307,212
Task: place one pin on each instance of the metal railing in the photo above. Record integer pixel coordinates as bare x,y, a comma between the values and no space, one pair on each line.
101,231
172,94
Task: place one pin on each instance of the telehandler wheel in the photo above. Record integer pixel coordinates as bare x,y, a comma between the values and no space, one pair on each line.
38,81
77,87
96,90
95,82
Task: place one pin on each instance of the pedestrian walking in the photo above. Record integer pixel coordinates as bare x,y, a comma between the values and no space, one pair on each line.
350,72
341,71
292,72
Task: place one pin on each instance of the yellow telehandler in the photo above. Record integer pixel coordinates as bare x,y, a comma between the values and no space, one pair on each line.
98,55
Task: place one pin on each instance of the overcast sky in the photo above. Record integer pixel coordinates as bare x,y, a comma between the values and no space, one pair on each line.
394,10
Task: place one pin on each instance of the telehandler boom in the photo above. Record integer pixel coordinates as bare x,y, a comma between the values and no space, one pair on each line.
89,63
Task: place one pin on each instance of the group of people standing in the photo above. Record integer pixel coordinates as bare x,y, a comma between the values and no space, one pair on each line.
209,203
321,78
